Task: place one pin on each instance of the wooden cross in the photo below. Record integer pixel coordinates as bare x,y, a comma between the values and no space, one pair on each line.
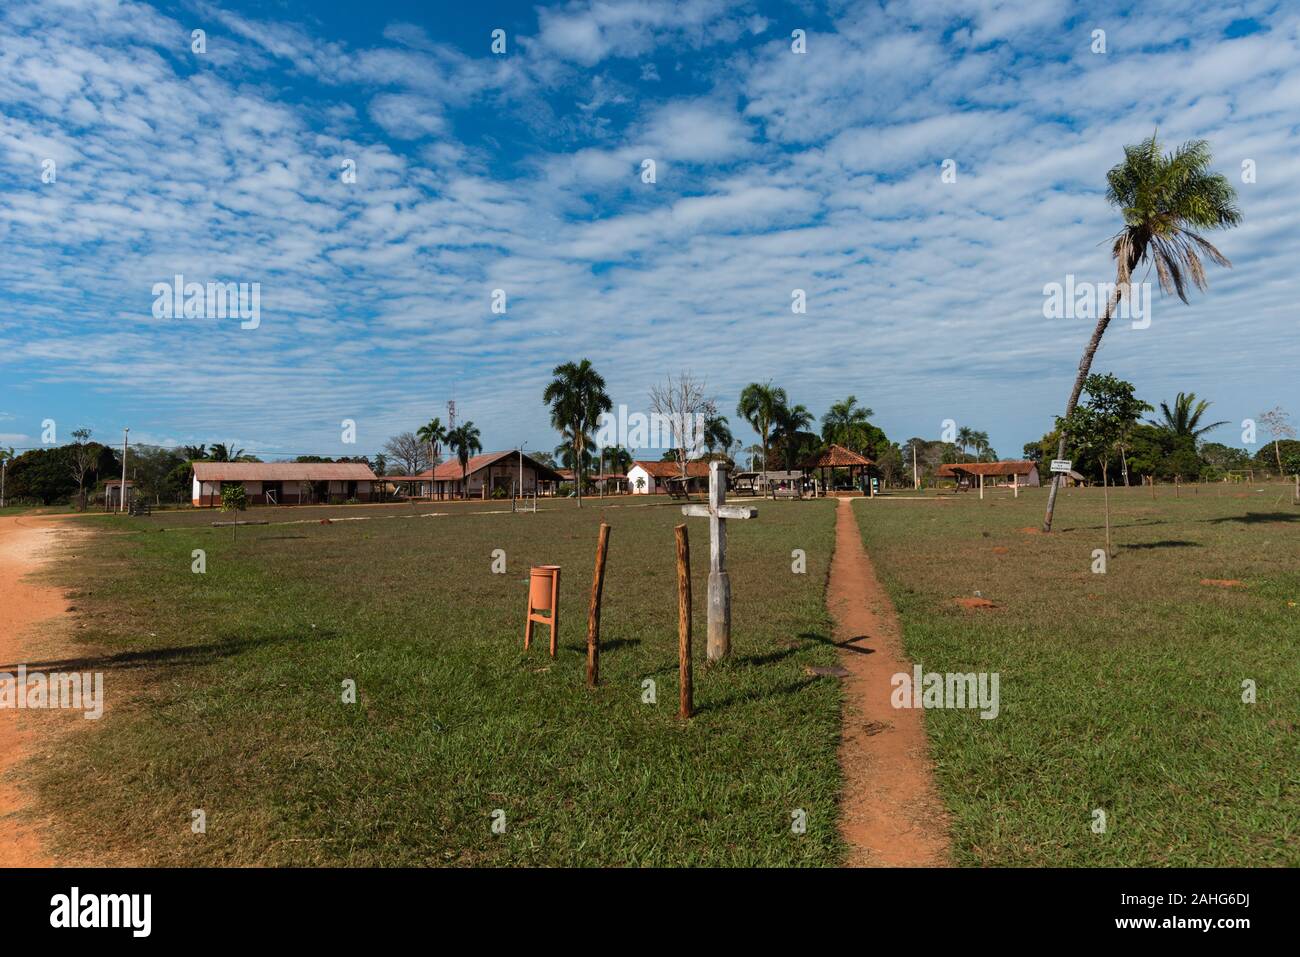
719,583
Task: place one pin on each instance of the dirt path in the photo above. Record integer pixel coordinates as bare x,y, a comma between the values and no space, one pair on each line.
891,815
24,545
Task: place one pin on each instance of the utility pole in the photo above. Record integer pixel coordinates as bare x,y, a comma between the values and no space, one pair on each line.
916,482
122,490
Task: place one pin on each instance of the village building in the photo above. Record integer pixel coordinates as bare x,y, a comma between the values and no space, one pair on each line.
113,494
652,478
853,470
284,483
967,474
487,475
760,483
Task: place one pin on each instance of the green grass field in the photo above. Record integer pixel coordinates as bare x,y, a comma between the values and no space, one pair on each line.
224,693
1119,691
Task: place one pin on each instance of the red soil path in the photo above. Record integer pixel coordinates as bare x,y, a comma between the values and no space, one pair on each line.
891,814
24,542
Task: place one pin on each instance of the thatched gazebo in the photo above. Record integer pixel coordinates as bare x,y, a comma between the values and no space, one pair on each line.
837,457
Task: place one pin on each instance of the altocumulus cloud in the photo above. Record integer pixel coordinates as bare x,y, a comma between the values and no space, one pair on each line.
776,171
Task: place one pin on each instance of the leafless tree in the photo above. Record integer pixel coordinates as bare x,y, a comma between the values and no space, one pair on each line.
408,452
680,406
1277,423
84,455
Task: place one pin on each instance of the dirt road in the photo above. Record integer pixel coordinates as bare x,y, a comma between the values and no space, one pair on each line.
891,815
25,544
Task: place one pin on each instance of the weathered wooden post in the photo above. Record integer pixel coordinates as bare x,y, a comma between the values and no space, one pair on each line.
717,513
684,622
593,615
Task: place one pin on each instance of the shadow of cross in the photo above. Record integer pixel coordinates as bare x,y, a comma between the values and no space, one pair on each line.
717,512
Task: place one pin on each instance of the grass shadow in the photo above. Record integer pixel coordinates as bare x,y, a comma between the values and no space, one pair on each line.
1253,518
793,687
185,655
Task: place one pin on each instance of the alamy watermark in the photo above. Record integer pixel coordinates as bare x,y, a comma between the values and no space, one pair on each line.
35,691
656,430
1087,300
215,300
932,689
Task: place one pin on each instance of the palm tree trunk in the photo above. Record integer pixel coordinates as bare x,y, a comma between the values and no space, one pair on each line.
1123,463
1105,492
1278,454
1085,365
577,464
767,482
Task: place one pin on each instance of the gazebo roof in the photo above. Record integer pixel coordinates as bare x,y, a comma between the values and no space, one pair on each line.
836,457
1008,467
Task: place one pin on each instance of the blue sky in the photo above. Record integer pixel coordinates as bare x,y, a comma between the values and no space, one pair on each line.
775,171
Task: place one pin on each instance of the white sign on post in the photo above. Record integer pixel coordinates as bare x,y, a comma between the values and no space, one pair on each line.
1061,465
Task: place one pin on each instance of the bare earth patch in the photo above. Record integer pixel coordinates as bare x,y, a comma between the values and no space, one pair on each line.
891,814
1224,582
24,546
973,603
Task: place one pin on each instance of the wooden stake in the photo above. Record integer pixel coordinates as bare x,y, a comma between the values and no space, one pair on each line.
684,620
593,616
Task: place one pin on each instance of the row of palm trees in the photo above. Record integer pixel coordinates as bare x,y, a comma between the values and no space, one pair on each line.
768,411
463,441
979,441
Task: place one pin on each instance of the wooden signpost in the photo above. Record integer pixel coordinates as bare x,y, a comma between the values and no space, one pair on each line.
717,512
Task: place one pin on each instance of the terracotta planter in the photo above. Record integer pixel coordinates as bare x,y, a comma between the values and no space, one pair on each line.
540,579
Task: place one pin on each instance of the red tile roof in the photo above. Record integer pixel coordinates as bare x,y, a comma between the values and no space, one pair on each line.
451,471
666,470
283,472
1014,467
836,457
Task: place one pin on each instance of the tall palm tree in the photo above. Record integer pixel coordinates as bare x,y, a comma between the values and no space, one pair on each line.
464,441
845,423
224,453
717,433
980,442
790,421
1164,198
568,457
1183,421
619,459
434,435
965,437
760,405
577,397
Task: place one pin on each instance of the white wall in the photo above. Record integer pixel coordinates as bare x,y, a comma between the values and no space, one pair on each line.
637,472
